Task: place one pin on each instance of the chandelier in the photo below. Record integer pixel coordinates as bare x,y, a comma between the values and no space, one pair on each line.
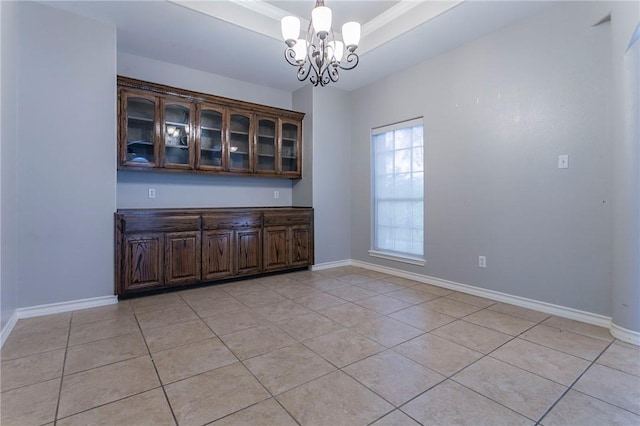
319,55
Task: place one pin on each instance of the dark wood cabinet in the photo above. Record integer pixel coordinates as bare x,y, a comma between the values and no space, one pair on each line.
301,245
248,251
170,247
143,261
182,257
162,128
139,123
276,248
217,254
288,239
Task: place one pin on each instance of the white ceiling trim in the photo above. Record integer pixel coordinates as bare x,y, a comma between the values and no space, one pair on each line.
393,23
388,15
252,15
264,18
263,7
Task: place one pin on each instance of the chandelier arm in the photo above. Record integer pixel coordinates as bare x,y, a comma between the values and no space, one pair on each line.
350,62
303,71
333,73
290,56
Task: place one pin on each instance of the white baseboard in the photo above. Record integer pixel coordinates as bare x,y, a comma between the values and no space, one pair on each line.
625,334
6,330
549,308
54,308
329,265
73,305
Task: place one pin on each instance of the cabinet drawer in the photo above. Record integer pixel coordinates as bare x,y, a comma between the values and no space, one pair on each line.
160,224
235,221
284,219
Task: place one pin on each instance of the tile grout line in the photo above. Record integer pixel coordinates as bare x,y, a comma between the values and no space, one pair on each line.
570,387
64,361
239,361
155,368
450,377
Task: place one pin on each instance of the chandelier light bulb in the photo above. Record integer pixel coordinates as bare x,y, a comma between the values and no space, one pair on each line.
290,26
351,34
321,20
336,49
300,49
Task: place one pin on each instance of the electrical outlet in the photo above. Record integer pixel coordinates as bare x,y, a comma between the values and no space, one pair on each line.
563,161
482,261
276,194
152,193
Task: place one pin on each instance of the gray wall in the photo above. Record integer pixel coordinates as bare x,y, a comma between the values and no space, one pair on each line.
327,152
497,113
8,161
302,191
174,190
626,171
332,165
66,157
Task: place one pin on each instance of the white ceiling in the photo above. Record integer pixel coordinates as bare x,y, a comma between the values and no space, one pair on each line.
241,38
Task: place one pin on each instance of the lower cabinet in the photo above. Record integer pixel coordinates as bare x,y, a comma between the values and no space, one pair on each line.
276,248
217,254
301,246
182,252
143,261
248,251
288,240
164,248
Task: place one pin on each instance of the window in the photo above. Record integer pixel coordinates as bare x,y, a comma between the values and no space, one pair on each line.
398,192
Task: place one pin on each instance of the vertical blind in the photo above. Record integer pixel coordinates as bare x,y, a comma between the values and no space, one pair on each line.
398,188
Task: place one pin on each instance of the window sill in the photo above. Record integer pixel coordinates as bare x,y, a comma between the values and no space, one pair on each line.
397,257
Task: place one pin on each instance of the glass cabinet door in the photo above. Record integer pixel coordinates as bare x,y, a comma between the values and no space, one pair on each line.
210,145
139,138
290,148
265,152
177,138
239,141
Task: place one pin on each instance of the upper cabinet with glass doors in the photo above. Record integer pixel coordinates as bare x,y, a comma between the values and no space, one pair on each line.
138,122
266,152
164,128
177,138
290,143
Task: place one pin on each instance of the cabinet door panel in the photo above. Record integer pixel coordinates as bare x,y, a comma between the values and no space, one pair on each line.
177,134
290,159
182,257
240,137
138,129
143,261
266,152
210,153
248,251
217,252
300,245
276,253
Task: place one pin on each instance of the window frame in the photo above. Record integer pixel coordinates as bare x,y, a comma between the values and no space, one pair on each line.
375,251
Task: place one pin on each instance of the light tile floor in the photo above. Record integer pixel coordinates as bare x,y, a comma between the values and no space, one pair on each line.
344,346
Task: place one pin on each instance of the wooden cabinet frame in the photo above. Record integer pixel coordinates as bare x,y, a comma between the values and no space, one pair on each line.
190,142
196,102
198,136
124,96
156,249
